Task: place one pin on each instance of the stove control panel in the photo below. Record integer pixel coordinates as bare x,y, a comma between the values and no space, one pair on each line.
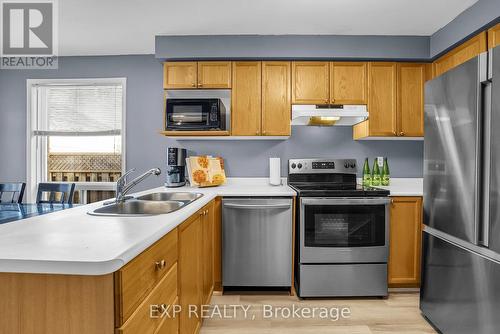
321,166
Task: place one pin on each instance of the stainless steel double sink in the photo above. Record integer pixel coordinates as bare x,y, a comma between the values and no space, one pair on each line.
147,205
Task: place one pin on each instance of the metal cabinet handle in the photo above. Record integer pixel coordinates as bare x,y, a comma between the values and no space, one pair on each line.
326,101
200,84
401,133
160,264
193,85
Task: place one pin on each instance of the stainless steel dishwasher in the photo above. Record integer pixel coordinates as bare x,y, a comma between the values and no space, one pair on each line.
257,242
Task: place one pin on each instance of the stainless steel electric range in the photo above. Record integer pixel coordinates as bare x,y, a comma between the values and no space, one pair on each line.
342,234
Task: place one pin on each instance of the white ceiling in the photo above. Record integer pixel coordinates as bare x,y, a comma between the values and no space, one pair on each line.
104,27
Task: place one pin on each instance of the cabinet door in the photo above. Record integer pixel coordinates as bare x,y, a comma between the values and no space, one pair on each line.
208,253
310,82
276,91
411,79
459,55
246,98
214,74
494,36
190,278
178,75
218,244
382,98
348,83
405,241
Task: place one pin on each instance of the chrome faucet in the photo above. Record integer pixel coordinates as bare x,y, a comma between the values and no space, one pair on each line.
123,187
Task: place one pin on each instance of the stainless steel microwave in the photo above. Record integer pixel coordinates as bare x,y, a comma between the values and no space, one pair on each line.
195,114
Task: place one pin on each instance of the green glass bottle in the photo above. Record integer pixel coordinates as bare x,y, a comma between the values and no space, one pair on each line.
367,176
386,175
375,173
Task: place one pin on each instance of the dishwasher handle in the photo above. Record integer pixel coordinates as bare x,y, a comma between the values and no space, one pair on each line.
257,206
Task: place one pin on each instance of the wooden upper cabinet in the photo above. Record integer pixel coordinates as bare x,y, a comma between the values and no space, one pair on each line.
348,83
246,98
494,36
382,107
214,74
411,79
310,82
276,97
459,55
405,241
179,75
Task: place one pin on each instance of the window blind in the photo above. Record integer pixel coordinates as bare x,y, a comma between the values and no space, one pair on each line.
86,110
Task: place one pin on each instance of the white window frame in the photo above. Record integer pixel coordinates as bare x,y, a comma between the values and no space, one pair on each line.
31,140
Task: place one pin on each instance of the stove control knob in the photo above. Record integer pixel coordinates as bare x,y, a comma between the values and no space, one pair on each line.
299,166
293,165
346,165
353,165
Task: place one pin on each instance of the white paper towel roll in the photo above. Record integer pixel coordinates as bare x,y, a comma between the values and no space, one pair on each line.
275,171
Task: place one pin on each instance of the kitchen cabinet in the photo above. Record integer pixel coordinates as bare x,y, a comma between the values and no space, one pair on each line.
405,242
207,215
203,74
176,270
382,102
214,74
310,82
410,99
218,244
494,36
179,75
276,98
137,278
348,83
190,272
459,55
246,98
395,101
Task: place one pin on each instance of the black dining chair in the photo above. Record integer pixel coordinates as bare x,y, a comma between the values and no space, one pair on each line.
66,191
12,192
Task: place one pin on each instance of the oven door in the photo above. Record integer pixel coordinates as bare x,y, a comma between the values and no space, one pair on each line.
192,114
344,230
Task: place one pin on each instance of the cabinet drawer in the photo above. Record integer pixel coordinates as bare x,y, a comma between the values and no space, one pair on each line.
164,293
136,279
169,325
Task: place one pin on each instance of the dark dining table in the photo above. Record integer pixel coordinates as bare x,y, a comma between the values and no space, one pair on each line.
13,212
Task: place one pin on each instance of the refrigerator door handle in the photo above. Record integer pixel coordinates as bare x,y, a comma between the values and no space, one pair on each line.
484,230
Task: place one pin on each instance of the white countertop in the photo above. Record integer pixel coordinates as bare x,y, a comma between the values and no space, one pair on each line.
406,187
73,242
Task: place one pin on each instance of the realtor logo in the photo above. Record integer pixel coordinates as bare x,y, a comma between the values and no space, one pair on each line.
28,37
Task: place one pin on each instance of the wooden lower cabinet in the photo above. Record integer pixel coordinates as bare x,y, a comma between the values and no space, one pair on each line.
190,270
208,252
405,242
179,269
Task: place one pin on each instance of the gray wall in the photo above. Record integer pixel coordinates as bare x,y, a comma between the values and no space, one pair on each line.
476,17
146,148
292,47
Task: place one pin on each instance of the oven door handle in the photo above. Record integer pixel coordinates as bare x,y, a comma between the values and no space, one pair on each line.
345,201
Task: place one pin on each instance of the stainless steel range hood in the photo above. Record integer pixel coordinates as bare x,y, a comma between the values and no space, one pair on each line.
328,114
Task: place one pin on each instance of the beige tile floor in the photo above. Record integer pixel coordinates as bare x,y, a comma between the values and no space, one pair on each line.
399,313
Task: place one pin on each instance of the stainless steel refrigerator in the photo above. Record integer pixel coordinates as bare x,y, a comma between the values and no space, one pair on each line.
460,290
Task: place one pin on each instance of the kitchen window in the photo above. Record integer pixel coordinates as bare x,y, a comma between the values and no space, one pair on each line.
76,134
